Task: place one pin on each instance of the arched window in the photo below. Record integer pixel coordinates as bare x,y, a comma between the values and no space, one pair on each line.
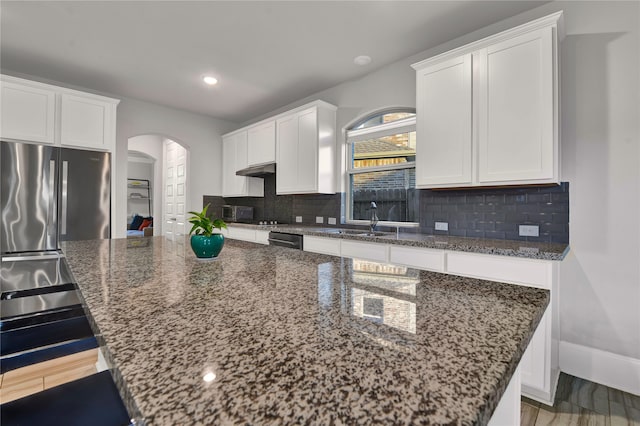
381,167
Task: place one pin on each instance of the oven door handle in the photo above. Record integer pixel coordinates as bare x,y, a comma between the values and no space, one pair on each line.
275,240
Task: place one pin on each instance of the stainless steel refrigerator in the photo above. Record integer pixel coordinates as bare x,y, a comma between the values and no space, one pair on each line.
50,194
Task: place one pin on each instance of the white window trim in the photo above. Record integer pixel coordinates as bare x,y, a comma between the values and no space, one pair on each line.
387,129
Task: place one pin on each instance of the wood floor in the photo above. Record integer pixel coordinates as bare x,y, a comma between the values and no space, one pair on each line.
581,402
38,377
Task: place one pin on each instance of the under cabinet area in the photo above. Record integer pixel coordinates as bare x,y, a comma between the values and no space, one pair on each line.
42,113
487,112
234,158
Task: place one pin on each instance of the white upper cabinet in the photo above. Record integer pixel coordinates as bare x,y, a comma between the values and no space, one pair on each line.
42,113
262,143
27,112
516,110
305,150
487,113
234,157
443,154
86,122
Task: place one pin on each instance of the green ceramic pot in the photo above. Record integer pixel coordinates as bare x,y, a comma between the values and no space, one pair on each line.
207,247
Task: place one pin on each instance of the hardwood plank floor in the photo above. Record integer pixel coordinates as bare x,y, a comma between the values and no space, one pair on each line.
581,402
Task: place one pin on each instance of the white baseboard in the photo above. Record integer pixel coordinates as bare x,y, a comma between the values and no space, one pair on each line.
613,370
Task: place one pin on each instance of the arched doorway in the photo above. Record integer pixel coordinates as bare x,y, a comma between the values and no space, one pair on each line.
170,192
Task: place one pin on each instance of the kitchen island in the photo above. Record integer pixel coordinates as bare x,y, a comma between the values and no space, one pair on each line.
268,335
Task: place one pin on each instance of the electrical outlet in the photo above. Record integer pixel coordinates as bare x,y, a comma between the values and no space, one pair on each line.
529,231
298,219
442,226
331,220
319,219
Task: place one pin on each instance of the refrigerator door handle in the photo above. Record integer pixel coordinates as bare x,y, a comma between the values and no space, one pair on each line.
63,213
52,198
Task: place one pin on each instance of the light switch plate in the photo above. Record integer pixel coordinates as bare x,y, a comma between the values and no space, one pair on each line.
442,226
298,219
529,231
331,220
319,219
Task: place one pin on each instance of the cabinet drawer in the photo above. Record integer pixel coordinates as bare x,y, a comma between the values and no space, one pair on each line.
535,273
421,258
242,234
369,251
321,245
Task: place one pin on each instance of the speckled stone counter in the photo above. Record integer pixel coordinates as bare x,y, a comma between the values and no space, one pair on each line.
290,337
527,249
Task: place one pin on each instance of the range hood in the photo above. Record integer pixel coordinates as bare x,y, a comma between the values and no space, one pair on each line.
258,171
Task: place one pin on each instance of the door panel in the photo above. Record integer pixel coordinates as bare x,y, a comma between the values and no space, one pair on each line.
516,110
175,192
307,151
85,197
444,123
287,153
28,197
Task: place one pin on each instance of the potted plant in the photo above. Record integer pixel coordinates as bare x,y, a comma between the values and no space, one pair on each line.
204,243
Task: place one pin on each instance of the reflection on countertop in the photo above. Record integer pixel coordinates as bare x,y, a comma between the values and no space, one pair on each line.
526,249
266,334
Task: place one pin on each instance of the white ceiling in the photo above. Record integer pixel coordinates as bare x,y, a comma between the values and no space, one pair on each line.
265,54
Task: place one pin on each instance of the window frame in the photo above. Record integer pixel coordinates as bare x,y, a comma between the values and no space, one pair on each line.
404,125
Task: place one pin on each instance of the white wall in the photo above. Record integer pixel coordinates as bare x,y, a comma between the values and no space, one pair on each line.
200,134
600,279
152,146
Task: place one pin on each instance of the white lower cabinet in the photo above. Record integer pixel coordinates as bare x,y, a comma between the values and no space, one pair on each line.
507,413
420,258
321,245
246,234
367,251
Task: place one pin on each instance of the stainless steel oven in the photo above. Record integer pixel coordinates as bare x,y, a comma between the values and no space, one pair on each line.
284,239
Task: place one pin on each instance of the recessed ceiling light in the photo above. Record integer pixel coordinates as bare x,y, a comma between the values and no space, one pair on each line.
210,80
362,60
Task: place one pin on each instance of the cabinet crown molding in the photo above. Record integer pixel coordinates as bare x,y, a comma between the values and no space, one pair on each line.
57,89
317,103
554,20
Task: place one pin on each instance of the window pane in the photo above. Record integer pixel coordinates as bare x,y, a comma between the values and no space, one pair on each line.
382,119
394,149
392,190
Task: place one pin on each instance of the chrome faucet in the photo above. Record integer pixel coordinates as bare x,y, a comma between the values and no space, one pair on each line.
373,220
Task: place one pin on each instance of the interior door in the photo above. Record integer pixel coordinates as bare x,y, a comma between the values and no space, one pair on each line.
175,191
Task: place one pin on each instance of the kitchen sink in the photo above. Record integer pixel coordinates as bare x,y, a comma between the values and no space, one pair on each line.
358,232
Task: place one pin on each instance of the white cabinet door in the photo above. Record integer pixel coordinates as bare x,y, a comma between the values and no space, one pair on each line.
234,155
516,113
307,151
262,144
421,258
85,122
287,155
368,251
321,245
443,144
27,113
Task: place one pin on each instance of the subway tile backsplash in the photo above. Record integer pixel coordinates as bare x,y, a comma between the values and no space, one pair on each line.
494,213
497,212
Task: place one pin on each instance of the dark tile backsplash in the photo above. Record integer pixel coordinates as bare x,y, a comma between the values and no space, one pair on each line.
494,213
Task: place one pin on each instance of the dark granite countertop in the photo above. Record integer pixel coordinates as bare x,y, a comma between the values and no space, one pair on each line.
526,249
290,337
